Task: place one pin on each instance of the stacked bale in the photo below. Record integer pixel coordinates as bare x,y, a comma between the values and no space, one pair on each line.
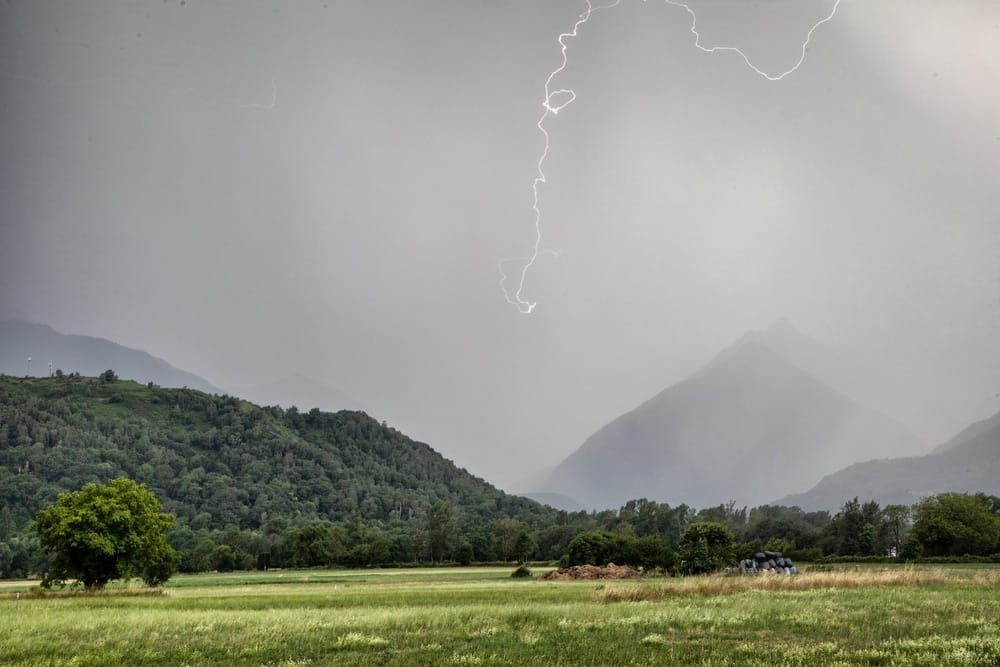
772,562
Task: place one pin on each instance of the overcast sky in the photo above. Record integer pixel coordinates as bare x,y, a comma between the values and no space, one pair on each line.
252,189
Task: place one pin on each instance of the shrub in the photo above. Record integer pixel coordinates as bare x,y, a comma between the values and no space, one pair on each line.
706,547
600,548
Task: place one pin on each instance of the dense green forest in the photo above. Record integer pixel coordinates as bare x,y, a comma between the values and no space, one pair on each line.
256,487
238,471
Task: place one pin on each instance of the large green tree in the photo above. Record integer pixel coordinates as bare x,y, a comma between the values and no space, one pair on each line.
595,547
104,532
893,526
954,524
852,531
706,546
510,537
442,531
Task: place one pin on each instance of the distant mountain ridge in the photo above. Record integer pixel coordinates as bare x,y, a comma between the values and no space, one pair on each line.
970,433
747,424
85,355
968,463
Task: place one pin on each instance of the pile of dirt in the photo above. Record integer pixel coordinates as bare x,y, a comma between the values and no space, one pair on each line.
612,571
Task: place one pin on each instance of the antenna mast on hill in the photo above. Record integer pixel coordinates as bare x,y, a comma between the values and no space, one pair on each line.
50,368
28,374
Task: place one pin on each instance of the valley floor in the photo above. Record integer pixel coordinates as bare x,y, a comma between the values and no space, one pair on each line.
480,616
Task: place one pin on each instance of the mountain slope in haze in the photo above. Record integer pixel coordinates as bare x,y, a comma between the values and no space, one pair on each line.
750,426
849,375
972,432
842,372
84,355
217,461
303,392
968,463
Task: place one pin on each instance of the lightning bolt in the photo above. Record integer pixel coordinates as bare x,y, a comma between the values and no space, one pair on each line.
757,70
555,101
551,108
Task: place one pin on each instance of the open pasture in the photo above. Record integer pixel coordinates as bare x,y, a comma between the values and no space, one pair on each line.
480,616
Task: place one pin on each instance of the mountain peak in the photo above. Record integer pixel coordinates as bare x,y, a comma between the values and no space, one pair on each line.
750,422
781,339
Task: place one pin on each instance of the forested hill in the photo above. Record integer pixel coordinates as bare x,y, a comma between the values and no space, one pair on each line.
219,462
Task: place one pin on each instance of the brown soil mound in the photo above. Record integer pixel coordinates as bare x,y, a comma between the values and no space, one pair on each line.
612,571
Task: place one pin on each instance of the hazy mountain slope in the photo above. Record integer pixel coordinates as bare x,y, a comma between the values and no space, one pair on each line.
218,461
301,391
849,375
746,426
970,462
972,432
85,355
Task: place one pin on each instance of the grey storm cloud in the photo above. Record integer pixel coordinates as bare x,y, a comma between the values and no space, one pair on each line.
258,189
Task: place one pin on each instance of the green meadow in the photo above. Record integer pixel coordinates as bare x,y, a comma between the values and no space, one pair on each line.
480,616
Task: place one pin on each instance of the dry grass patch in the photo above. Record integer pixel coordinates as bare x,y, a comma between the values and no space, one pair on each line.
716,585
41,593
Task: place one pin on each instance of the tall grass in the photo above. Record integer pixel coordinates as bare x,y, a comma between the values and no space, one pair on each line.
716,585
36,592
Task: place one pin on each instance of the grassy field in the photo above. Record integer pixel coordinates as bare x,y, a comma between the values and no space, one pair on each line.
480,616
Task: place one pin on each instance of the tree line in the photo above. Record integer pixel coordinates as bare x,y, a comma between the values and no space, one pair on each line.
263,487
943,526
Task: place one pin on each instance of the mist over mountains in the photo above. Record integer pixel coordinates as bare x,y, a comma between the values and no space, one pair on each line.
327,190
750,426
868,383
769,416
90,356
85,355
968,463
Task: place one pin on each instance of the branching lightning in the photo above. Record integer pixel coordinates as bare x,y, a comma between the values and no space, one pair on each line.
555,101
551,107
757,70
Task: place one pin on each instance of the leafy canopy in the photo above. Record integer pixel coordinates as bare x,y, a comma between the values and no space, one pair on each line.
953,524
706,546
105,532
